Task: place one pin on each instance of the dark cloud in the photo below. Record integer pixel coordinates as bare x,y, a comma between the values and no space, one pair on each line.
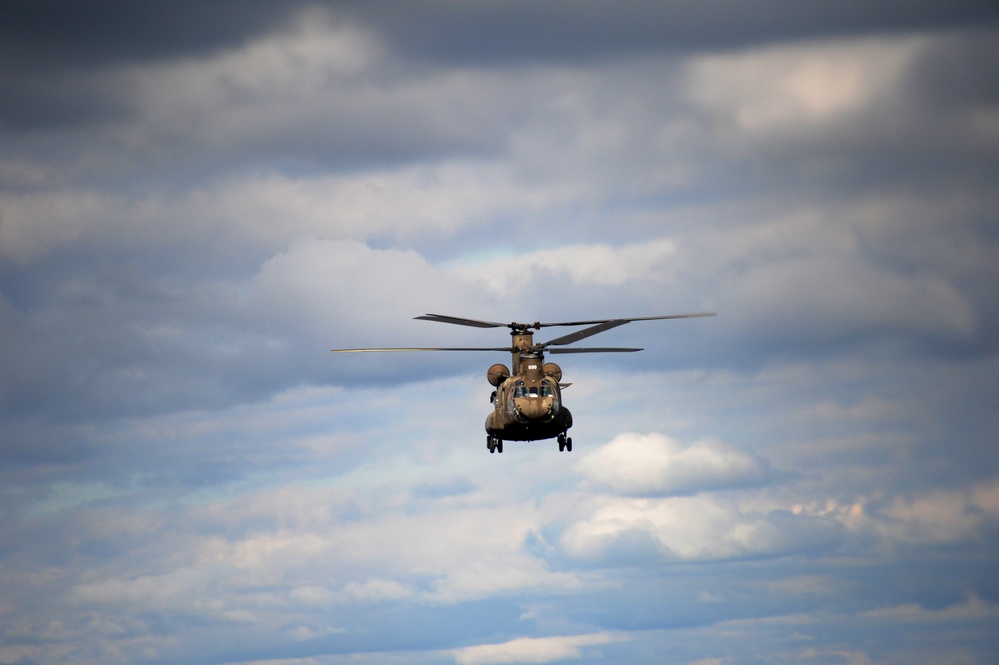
71,34
569,31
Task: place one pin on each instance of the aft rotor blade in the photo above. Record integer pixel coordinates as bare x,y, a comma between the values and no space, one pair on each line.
628,320
474,323
607,324
382,350
595,349
585,332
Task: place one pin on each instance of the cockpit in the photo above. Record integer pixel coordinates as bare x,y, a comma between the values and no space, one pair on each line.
546,389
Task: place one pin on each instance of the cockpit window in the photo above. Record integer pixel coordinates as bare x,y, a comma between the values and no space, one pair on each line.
546,389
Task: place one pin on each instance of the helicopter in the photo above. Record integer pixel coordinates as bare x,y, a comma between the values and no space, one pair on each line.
527,400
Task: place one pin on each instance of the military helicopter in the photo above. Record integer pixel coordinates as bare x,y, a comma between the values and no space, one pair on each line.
527,402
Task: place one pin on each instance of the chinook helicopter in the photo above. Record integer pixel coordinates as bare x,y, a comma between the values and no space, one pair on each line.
527,402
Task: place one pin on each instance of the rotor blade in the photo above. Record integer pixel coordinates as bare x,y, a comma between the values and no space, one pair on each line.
501,348
607,324
597,349
440,318
585,332
476,323
638,318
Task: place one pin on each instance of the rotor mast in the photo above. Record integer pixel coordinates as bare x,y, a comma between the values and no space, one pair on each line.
522,338
523,342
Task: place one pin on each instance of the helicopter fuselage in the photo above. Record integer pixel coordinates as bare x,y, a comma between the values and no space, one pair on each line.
528,406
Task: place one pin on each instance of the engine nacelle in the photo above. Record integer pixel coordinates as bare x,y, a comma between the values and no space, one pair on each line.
552,370
497,374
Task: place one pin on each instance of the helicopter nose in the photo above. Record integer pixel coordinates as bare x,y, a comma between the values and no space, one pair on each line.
534,408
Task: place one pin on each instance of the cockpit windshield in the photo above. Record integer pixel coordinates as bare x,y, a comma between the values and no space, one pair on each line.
546,389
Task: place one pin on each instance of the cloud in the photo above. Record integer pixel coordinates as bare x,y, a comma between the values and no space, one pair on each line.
787,89
377,589
584,265
321,294
833,297
569,32
655,464
197,204
32,225
973,608
532,649
935,517
702,528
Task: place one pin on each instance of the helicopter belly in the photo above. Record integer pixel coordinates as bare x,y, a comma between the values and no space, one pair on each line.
511,428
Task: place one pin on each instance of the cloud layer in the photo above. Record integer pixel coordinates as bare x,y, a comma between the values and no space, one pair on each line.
196,205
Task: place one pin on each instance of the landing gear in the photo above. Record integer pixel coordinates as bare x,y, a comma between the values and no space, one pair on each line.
564,443
494,445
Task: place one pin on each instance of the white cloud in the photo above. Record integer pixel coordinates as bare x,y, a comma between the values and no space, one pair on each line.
701,528
933,517
532,649
257,88
782,88
656,464
599,265
467,552
404,203
377,589
248,215
940,516
344,293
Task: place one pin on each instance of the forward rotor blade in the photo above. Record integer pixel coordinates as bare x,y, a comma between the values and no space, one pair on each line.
595,349
376,350
474,323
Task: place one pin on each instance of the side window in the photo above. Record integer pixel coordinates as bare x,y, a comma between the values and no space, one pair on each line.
548,390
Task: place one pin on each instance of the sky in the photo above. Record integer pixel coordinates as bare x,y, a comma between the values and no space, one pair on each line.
199,200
